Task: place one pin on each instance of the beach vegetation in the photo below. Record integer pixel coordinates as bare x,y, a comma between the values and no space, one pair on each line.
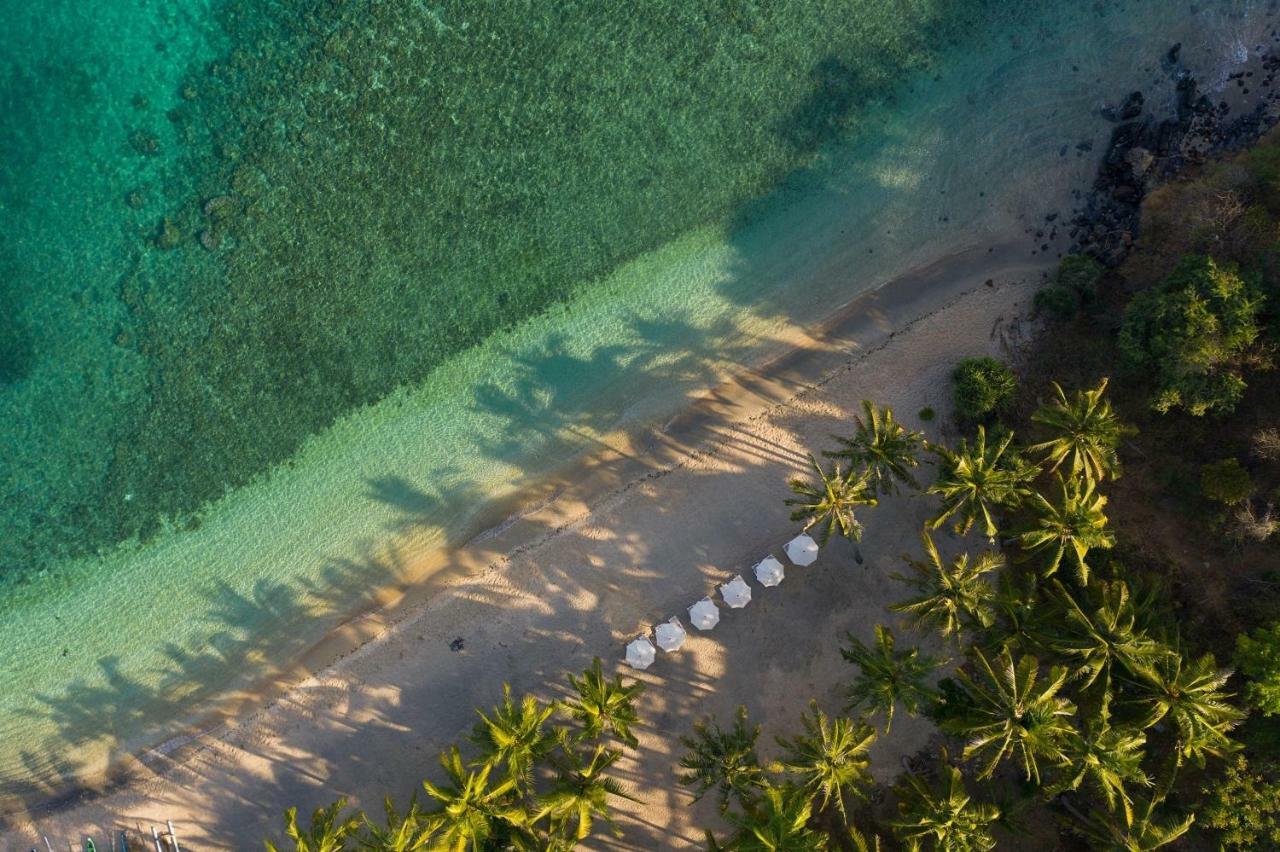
830,759
886,449
330,830
975,481
1257,657
951,596
983,387
943,816
1226,481
887,676
1243,808
829,500
1085,433
724,760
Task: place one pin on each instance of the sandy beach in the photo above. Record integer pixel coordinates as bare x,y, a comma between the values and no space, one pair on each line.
627,537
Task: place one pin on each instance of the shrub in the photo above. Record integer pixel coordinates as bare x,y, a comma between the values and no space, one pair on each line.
927,414
1258,658
1192,334
982,386
1266,444
1245,806
1080,275
1056,302
1226,482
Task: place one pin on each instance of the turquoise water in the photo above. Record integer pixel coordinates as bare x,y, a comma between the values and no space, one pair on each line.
290,295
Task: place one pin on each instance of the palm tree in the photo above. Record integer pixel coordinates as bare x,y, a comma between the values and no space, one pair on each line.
1071,527
1086,433
1013,713
602,703
1019,614
471,815
328,831
514,735
888,677
580,794
1107,758
945,817
949,596
1190,694
723,760
777,821
1110,635
401,834
831,501
974,481
830,758
1135,828
883,446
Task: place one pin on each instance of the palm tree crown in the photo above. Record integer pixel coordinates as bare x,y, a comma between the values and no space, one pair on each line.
472,814
406,833
946,816
328,832
831,501
580,793
603,703
514,736
723,760
885,447
950,596
1014,713
1105,635
975,480
830,758
777,821
887,677
1071,527
1107,757
1086,433
1190,694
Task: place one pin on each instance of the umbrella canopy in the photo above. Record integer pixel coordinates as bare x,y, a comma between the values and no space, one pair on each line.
769,572
736,592
670,636
802,550
640,653
704,614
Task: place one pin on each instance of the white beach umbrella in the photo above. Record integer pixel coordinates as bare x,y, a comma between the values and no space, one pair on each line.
640,653
736,592
802,550
769,572
704,614
670,635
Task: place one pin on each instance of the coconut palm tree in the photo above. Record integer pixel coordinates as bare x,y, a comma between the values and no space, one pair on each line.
723,760
949,596
405,833
471,814
831,501
1070,527
1134,828
883,446
944,818
1014,713
603,704
974,481
830,758
1110,633
1019,614
1105,757
514,736
328,832
887,677
776,821
1086,433
580,794
1189,693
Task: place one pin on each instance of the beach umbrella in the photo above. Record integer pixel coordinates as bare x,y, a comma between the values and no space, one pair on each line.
704,614
640,653
736,592
769,572
802,550
670,636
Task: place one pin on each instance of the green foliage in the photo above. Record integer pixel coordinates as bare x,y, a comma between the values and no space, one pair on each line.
777,821
829,759
885,448
831,500
927,414
1069,527
581,792
982,387
1135,828
950,596
513,735
943,818
1056,302
888,677
603,704
329,830
723,760
1244,807
975,481
1258,658
1079,274
473,809
1225,482
1190,695
1192,334
1085,433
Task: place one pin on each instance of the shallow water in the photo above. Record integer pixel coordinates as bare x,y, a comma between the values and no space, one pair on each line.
421,323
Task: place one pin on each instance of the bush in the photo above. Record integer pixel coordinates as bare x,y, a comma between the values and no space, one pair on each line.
1056,302
1245,806
1226,482
1249,524
1192,334
927,414
1080,275
982,387
1258,658
1266,444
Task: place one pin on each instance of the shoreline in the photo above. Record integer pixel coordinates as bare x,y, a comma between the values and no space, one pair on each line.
851,334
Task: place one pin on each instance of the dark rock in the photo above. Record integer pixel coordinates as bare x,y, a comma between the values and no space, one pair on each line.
144,142
457,644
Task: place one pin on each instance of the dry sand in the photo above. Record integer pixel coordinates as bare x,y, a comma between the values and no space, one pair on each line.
620,542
